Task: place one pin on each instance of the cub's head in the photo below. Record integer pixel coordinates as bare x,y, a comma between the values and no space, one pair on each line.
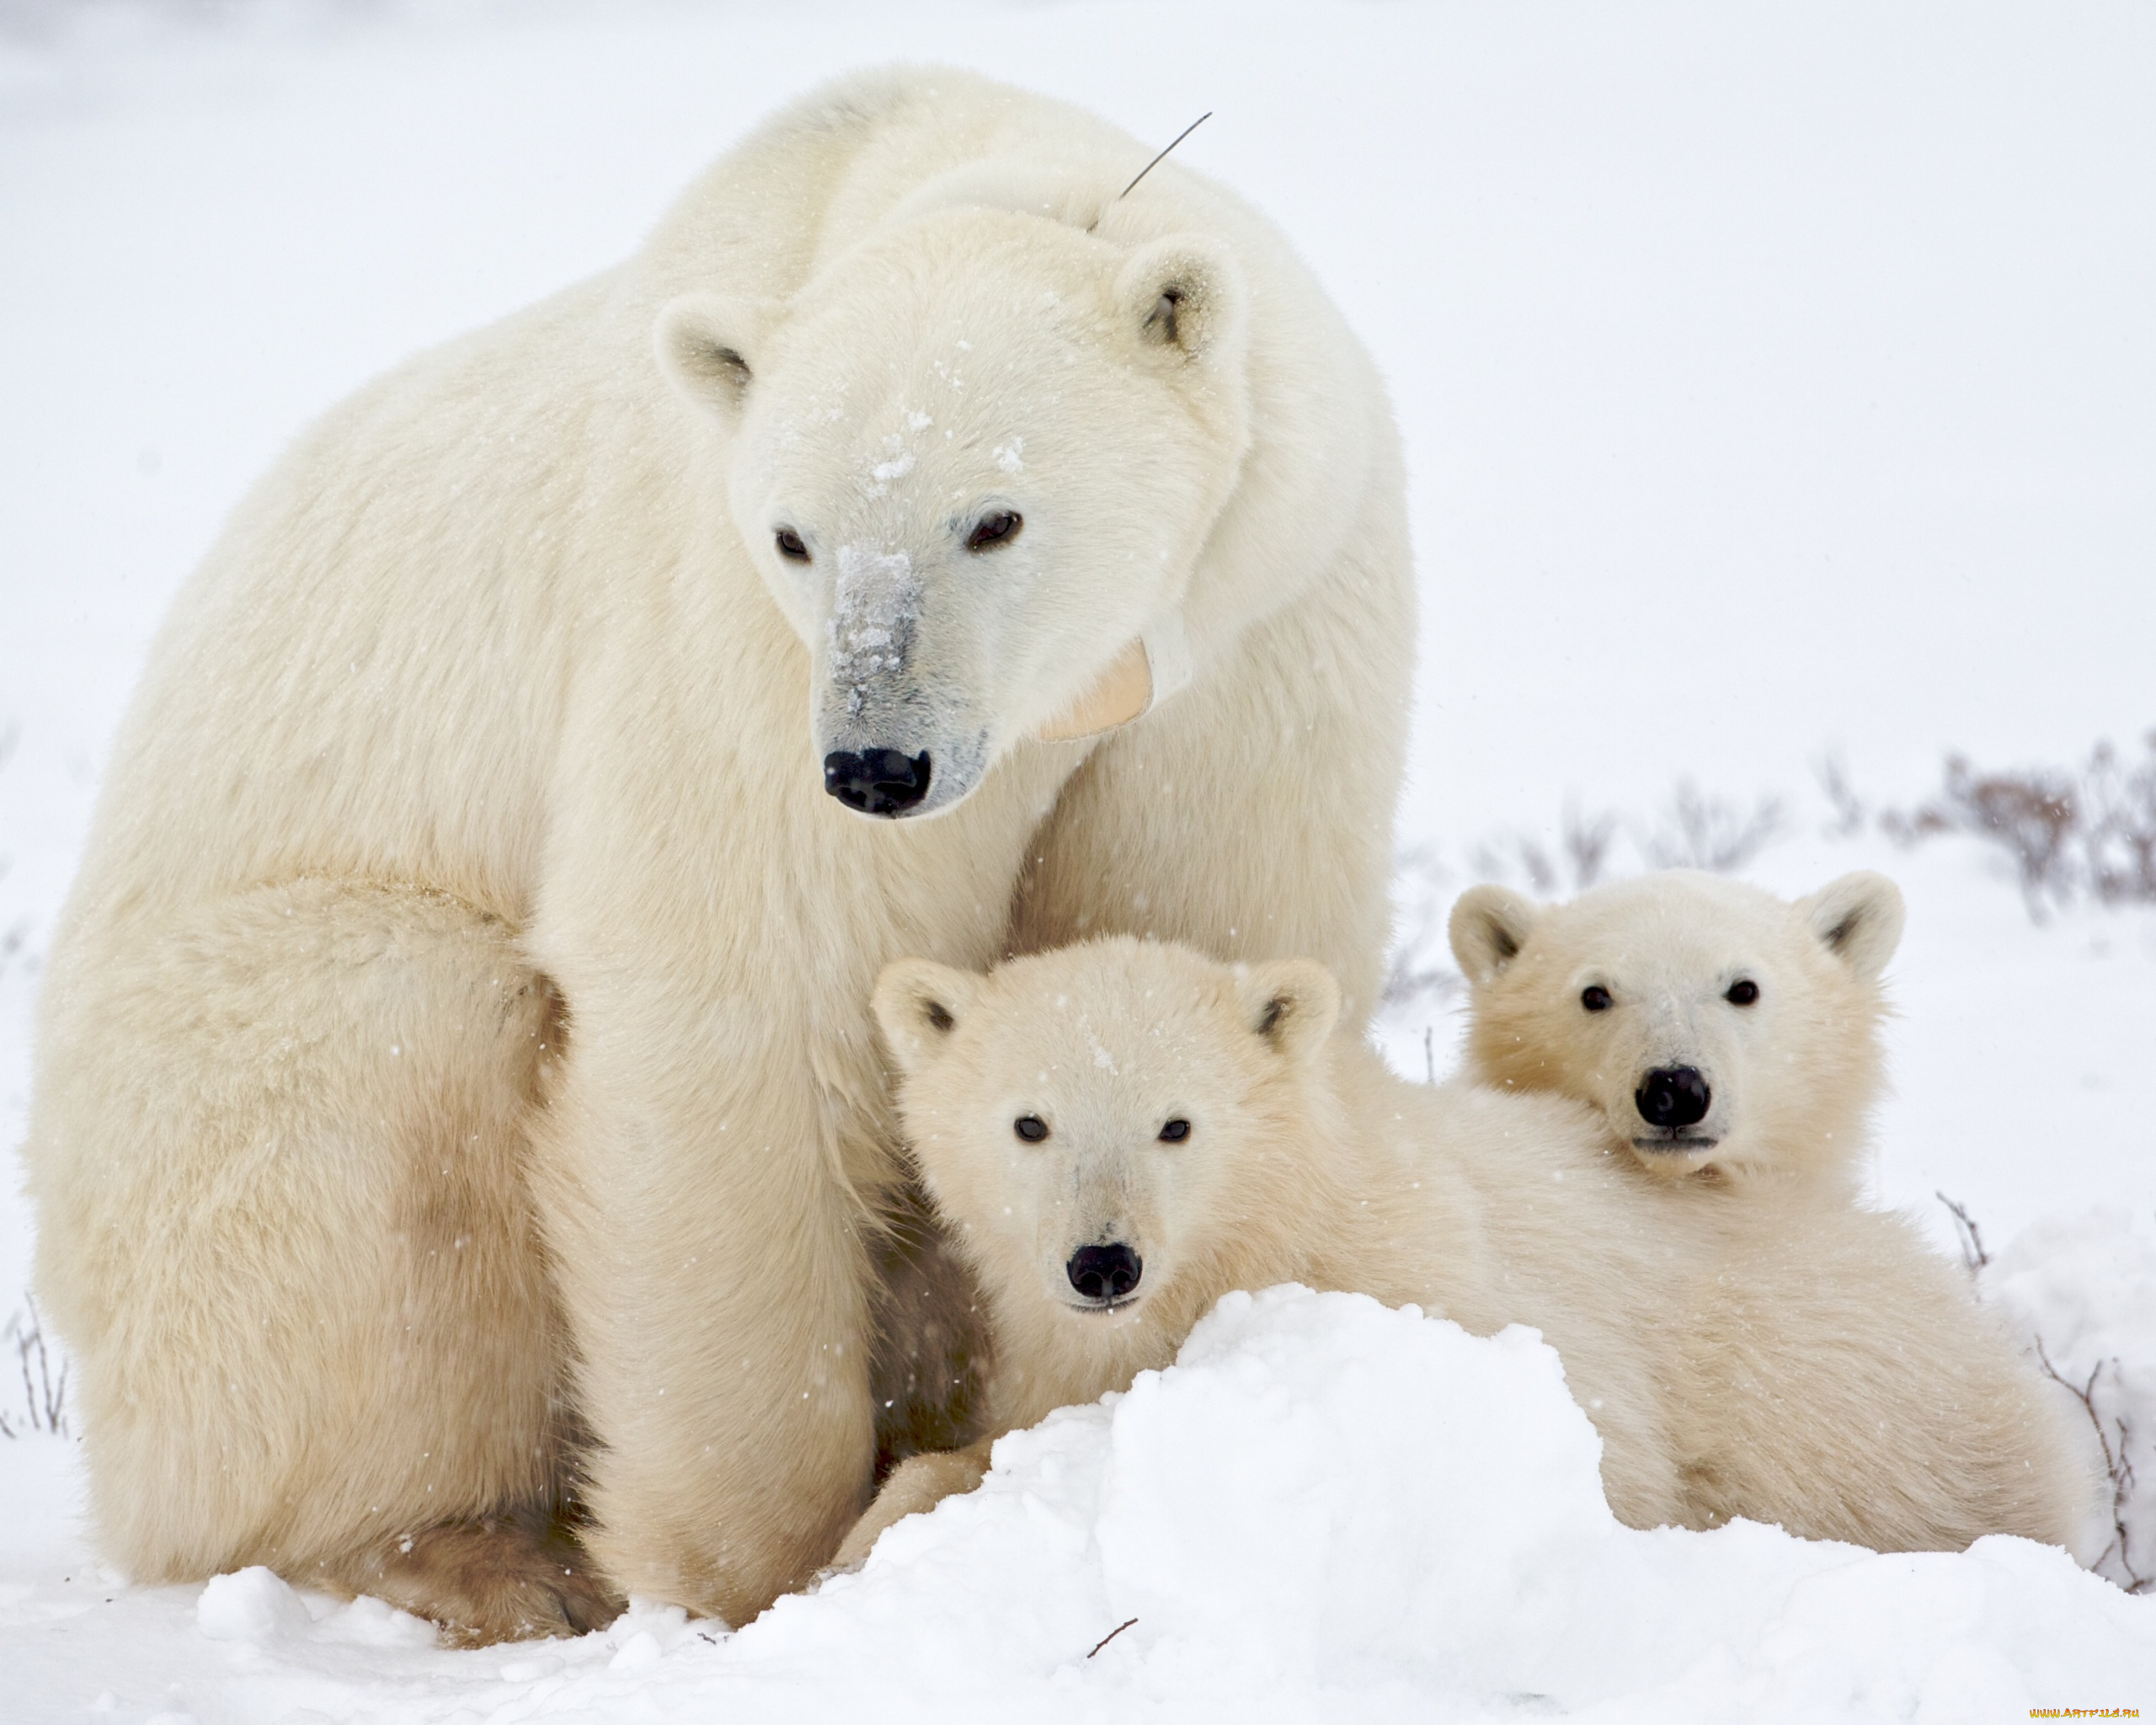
974,460
1714,1025
1099,1123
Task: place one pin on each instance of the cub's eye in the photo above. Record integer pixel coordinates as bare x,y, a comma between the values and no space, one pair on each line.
790,545
1030,1127
1595,999
997,527
1742,992
1175,1132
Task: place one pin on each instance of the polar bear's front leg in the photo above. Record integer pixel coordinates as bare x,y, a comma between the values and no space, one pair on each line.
916,1486
711,1270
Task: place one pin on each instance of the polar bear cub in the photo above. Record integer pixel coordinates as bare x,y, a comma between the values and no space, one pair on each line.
1723,1034
1118,1134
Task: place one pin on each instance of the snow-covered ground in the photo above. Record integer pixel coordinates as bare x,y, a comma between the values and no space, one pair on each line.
1777,380
1416,1531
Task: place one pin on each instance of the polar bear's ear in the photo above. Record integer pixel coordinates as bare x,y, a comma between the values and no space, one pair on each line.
1185,295
704,342
1489,926
1858,918
919,1004
1291,1003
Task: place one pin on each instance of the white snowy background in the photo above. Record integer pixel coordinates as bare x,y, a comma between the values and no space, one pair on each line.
1780,385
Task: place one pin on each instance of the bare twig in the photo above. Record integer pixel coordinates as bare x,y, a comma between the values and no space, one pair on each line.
1163,156
2117,1463
1849,811
44,1391
1970,1236
1424,881
2119,845
1150,166
1586,843
1697,831
1111,1635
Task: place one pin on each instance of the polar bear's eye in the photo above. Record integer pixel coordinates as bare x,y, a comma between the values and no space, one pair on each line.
997,527
1030,1127
1595,999
1742,992
790,545
1175,1132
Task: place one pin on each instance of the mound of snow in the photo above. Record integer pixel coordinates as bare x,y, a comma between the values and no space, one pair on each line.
251,1605
1325,1499
256,1607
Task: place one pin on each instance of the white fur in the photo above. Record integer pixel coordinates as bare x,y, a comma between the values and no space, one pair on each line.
1828,1374
496,719
1792,1075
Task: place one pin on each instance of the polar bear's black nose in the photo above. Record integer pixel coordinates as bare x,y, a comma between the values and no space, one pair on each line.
1672,1097
878,782
1104,1272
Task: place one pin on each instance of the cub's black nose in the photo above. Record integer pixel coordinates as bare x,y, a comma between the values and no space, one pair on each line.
880,781
1672,1097
1103,1272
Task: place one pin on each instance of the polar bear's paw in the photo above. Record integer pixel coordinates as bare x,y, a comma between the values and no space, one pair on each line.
915,1486
494,1579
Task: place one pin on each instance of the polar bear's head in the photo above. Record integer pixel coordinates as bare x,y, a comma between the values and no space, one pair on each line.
1715,1026
1102,1125
974,460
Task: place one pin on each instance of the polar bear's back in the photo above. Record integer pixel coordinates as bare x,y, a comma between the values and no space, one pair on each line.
1846,1375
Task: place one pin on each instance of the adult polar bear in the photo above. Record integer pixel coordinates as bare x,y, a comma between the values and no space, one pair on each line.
455,1058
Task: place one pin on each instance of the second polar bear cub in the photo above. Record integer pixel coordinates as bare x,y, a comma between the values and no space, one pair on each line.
1723,1034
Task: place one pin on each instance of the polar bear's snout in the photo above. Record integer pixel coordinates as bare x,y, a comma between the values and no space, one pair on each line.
906,683
1105,1275
877,781
1672,1099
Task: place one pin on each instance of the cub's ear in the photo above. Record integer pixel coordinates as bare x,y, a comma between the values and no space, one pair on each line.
919,1004
1489,926
705,342
1184,295
1858,918
1292,1003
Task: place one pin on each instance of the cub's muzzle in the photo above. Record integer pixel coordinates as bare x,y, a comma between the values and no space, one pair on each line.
1672,1097
1104,1275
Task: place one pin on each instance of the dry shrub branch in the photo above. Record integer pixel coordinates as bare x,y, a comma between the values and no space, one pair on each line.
45,1383
2085,832
2118,1555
